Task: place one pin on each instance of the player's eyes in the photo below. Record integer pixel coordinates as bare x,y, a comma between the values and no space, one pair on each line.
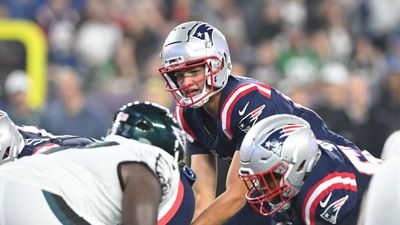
178,75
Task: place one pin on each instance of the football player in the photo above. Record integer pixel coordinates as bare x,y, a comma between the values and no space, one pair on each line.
297,179
19,141
131,177
216,110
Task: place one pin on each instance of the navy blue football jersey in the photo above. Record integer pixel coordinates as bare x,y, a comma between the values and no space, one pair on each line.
39,140
243,102
333,190
182,212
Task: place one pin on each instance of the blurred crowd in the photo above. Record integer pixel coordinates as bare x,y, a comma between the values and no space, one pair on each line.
340,58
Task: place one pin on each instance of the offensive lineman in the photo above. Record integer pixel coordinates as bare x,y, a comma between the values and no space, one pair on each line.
297,179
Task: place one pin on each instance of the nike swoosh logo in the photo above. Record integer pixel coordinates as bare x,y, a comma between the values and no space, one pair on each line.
324,203
241,112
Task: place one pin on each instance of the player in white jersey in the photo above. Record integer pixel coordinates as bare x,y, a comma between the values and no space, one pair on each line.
132,177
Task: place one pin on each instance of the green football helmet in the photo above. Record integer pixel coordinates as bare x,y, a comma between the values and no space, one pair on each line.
153,124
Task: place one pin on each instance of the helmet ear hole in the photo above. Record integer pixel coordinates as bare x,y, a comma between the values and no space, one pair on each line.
300,168
150,123
143,125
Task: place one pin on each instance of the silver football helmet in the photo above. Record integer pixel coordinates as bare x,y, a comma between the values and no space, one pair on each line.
276,156
193,44
11,141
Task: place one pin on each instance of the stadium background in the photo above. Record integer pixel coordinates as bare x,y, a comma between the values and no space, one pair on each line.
67,65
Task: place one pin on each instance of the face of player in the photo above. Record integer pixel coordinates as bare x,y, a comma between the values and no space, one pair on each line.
270,186
192,79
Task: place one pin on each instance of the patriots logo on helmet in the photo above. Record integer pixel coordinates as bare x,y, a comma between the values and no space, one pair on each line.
331,212
274,146
204,32
250,119
274,141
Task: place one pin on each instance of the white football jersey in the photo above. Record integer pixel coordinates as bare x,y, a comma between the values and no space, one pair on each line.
88,180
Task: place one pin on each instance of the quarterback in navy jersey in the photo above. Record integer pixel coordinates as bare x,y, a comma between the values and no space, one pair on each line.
20,141
216,110
297,179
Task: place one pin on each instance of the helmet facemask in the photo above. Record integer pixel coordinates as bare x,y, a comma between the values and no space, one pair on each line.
276,157
182,95
268,192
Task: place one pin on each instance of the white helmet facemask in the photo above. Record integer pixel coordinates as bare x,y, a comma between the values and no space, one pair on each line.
11,141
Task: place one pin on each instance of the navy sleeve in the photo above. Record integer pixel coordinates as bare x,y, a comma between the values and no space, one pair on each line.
39,140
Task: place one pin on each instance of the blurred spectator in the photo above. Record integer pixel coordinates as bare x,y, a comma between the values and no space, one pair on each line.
369,58
321,46
383,18
119,74
239,69
332,88
294,14
59,19
298,60
265,21
97,36
264,68
72,113
145,31
16,88
181,11
358,103
23,9
57,11
153,88
299,92
392,54
385,112
338,31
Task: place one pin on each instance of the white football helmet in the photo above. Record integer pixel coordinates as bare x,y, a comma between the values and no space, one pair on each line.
193,44
276,156
11,141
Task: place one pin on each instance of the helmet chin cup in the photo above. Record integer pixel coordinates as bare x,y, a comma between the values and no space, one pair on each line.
199,103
